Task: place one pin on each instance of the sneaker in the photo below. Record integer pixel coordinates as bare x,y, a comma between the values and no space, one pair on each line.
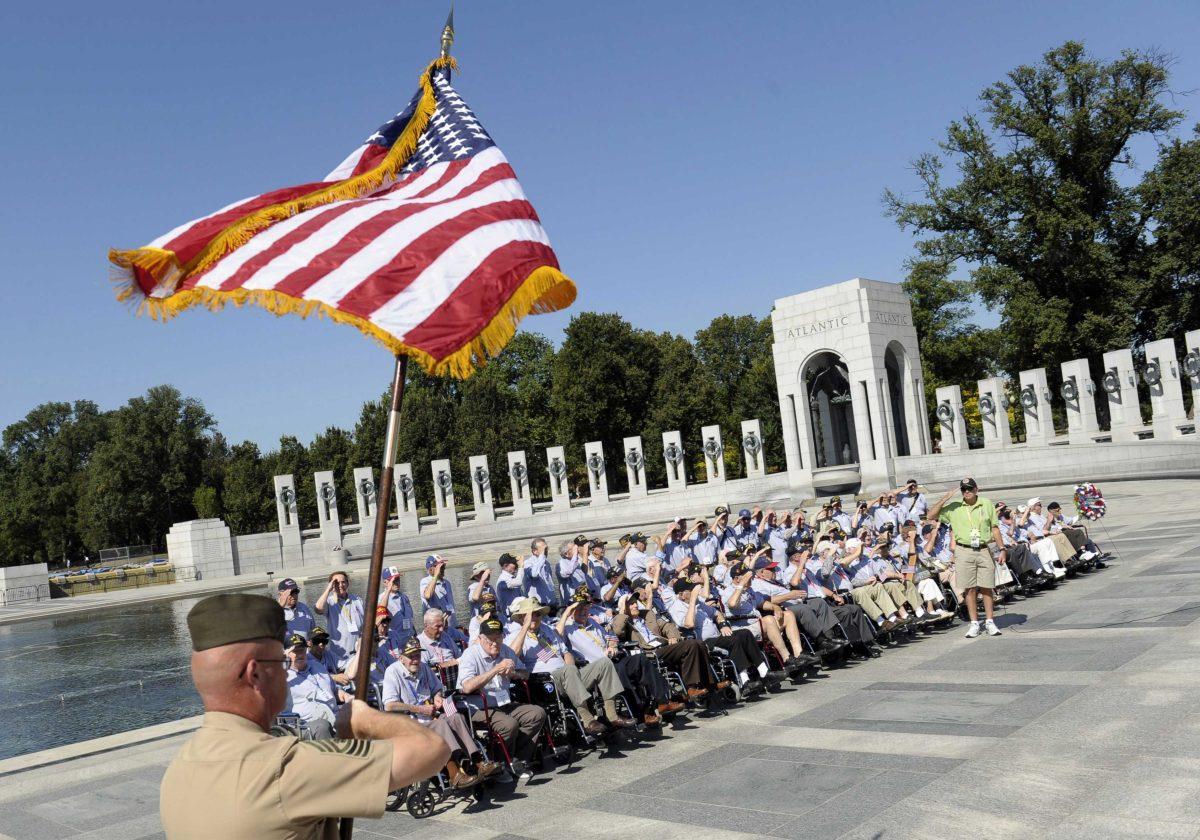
943,613
973,630
992,629
1086,555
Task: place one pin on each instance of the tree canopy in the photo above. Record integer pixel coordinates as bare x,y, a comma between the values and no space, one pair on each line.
1040,200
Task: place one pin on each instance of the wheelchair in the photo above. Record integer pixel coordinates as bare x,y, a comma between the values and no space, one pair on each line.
676,687
420,798
289,724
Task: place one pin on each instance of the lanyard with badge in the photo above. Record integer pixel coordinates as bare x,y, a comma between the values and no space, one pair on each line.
975,536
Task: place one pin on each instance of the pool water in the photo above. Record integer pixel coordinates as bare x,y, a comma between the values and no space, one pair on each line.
98,673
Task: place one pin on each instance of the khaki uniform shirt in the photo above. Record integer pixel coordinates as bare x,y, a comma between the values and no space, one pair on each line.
232,780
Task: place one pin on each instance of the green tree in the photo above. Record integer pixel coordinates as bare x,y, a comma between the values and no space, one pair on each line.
603,382
249,506
1171,303
207,502
1042,210
954,350
142,479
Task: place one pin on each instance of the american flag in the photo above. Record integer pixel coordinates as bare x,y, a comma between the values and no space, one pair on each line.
422,238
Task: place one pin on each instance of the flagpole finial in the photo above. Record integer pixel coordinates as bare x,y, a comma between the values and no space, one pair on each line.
448,33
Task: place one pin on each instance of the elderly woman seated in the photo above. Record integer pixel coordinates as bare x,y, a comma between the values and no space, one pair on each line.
410,686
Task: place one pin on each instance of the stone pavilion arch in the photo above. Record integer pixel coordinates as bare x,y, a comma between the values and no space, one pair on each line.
851,396
826,388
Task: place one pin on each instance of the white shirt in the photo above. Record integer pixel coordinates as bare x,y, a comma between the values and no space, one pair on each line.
312,693
399,686
474,663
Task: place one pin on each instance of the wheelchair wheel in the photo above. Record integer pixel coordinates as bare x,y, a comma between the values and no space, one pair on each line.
421,802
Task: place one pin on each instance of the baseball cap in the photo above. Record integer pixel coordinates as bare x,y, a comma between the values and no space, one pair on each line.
581,540
288,585
319,635
382,612
295,640
836,500
431,561
615,572
683,585
1034,501
744,513
389,573
487,597
968,483
581,595
765,563
491,625
479,568
411,647
637,537
721,511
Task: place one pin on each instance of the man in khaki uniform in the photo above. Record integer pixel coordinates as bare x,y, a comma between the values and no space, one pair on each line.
233,780
973,524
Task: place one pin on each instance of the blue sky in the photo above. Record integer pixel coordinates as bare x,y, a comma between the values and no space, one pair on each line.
687,158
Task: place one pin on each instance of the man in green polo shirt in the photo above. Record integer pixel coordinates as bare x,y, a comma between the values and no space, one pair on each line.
973,524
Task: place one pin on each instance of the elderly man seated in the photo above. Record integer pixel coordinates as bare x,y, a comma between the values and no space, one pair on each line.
412,687
312,694
638,621
441,646
1032,526
824,579
485,673
589,638
865,588
1038,519
543,651
691,611
746,609
1078,537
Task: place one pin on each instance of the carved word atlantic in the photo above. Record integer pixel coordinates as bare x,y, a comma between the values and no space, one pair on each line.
819,327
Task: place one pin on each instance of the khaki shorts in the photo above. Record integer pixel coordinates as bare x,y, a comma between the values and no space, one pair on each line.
974,568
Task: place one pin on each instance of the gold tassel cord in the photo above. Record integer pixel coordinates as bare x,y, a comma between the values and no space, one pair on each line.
546,289
163,265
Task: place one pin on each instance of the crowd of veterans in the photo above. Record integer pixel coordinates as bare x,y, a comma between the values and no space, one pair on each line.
731,607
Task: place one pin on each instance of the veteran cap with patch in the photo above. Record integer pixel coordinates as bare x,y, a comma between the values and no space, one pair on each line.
226,619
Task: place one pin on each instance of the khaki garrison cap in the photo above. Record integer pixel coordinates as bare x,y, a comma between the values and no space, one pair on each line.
226,619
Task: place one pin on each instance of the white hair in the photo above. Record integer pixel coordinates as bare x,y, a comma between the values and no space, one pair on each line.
432,615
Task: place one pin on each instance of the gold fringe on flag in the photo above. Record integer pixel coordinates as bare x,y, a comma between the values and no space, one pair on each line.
164,265
546,289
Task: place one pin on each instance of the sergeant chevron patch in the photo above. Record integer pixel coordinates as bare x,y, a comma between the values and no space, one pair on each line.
339,746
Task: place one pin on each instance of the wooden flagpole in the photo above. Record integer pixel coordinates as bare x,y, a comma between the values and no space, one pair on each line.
383,496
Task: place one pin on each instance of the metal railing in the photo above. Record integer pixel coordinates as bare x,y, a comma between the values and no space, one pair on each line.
25,594
111,581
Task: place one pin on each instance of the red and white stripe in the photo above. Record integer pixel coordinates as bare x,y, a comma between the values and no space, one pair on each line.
430,259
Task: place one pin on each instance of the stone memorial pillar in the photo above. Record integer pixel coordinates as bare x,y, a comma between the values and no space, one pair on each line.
481,489
328,519
635,466
289,521
993,410
753,450
1034,400
597,472
714,453
560,490
674,458
518,481
1120,389
1165,380
1076,392
443,494
406,499
949,413
367,500
1191,365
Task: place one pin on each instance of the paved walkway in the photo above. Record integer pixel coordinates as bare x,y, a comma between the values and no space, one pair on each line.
1082,720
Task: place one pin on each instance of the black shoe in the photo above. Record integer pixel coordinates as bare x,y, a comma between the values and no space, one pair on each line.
777,675
752,687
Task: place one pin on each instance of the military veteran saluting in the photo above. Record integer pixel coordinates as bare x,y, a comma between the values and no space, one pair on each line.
233,780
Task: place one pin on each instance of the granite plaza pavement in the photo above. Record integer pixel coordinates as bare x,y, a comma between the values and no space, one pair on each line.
1082,720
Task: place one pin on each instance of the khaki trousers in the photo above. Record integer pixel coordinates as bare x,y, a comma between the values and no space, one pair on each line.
1063,546
904,592
874,600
